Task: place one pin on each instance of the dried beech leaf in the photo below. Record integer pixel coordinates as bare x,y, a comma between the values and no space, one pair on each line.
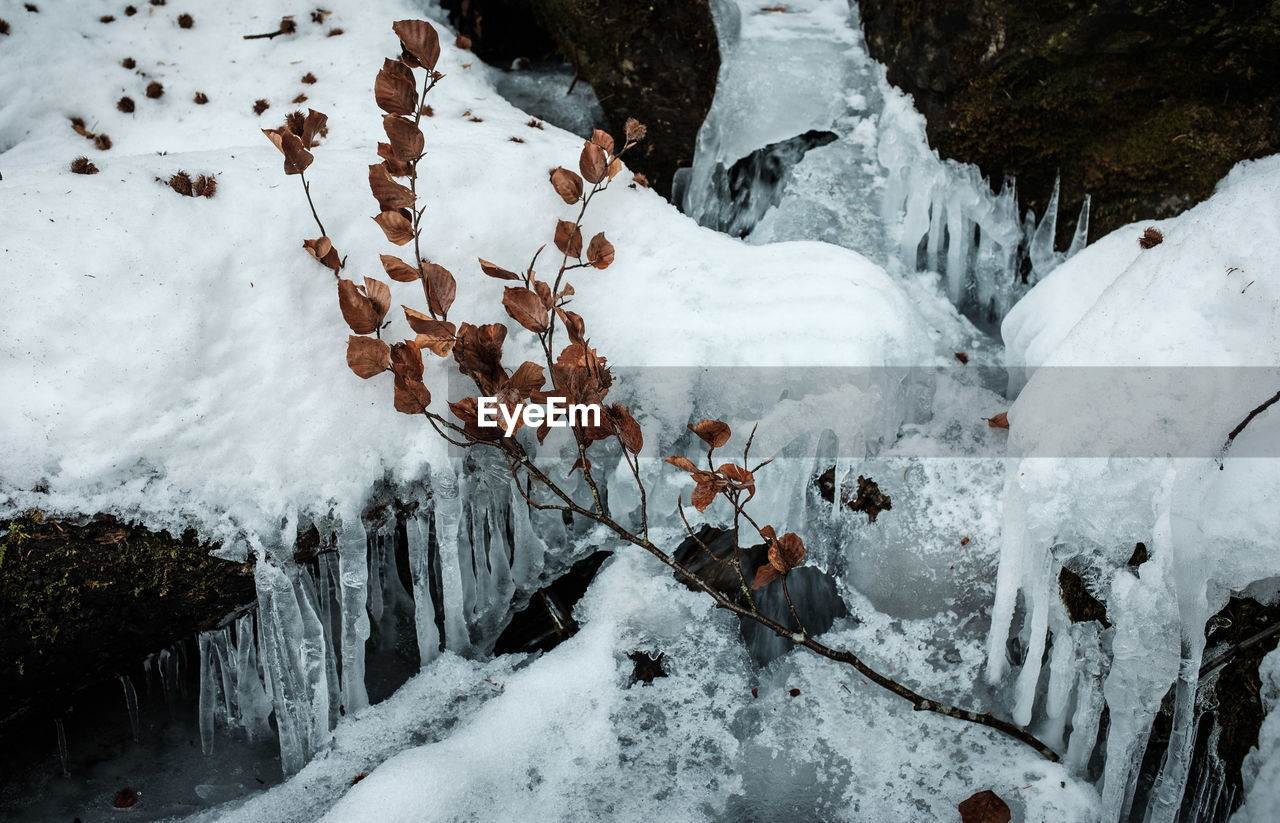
357,309
322,249
406,360
567,184
603,140
635,130
396,166
581,463
569,238
525,308
615,166
497,271
714,433
765,575
786,552
296,156
999,421
405,138
440,287
367,356
397,269
526,380
600,252
683,463
395,89
379,294
573,325
985,807
436,335
593,163
411,396
629,431
420,39
311,127
704,493
390,194
397,227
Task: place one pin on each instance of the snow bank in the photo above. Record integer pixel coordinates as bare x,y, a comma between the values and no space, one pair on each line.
1138,363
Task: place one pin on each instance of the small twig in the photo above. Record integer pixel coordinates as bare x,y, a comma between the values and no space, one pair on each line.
1222,658
1275,398
268,36
790,605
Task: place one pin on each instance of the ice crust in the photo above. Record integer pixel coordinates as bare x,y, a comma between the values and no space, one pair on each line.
1139,354
879,188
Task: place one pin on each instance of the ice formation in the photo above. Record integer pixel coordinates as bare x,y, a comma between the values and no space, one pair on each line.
878,188
1137,363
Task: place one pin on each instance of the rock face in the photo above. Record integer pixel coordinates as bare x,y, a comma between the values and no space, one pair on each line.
1144,105
655,61
79,602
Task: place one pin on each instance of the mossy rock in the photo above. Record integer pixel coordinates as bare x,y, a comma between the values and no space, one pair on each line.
1145,106
656,61
80,601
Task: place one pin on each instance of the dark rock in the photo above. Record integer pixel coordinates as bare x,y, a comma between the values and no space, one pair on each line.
1145,106
646,668
1080,603
868,499
655,61
81,602
548,619
1139,555
985,807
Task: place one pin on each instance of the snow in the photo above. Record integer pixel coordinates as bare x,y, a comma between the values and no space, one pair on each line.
1137,364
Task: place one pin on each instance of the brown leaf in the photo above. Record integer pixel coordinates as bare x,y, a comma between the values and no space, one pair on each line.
963,357
296,156
312,127
869,499
682,463
526,380
593,163
615,167
573,325
569,238
412,396
525,308
544,294
602,139
440,287
703,494
367,356
765,575
357,309
600,252
397,269
396,225
436,335
739,478
379,294
420,39
478,352
999,421
390,194
985,807
628,430
406,139
395,89
581,463
406,360
497,271
567,184
786,552
714,433
322,249
396,166
1151,238
768,533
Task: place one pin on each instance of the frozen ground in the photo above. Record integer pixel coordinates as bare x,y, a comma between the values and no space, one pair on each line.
180,361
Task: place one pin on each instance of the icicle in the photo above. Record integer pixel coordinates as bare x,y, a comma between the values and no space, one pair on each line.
353,572
1062,677
424,611
131,705
62,745
1038,605
1043,257
251,697
453,570
208,692
1081,237
1088,713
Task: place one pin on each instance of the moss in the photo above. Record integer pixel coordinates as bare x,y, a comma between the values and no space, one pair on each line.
78,600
